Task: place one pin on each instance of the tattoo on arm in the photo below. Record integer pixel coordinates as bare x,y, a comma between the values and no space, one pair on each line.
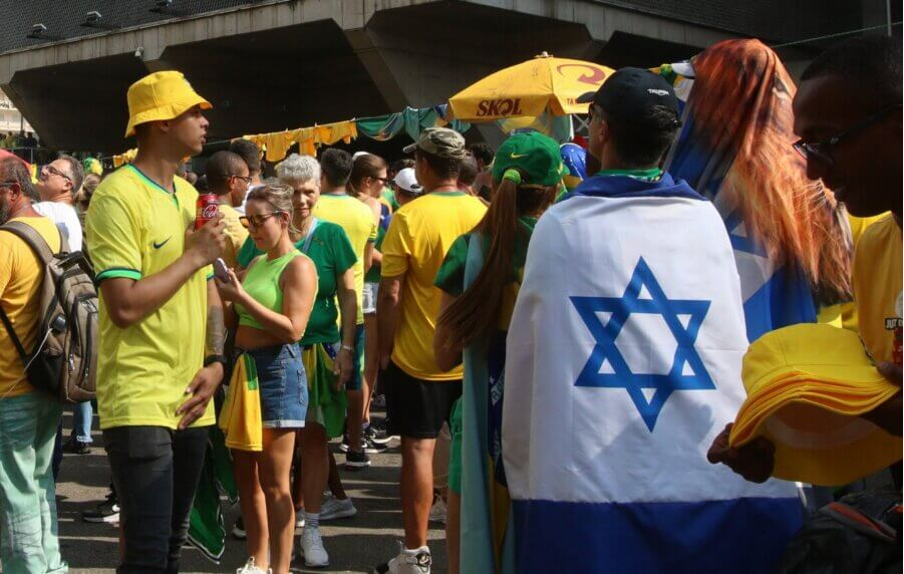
216,331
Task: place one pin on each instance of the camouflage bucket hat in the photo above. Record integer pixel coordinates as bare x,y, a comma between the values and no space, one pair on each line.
441,142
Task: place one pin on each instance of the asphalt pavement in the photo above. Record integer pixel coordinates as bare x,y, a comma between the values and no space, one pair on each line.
355,544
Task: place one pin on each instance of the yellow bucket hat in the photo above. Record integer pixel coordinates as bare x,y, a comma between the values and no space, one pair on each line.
161,96
807,386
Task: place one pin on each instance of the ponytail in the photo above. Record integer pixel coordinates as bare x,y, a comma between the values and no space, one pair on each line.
476,312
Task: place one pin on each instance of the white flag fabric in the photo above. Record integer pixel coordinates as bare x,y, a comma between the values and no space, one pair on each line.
623,364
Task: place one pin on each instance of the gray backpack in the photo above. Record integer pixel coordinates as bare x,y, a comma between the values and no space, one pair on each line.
64,360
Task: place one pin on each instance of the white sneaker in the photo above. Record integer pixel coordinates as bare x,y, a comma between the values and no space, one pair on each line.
250,568
333,508
438,510
407,563
299,519
312,549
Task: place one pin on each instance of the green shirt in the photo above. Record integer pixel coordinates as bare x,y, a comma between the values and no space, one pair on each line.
451,275
389,196
332,254
373,274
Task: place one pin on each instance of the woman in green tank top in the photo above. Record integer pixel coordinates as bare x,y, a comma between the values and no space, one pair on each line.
269,312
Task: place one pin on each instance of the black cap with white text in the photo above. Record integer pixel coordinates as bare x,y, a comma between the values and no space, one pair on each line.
629,94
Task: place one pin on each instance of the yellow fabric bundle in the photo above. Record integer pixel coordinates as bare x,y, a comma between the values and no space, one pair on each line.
807,386
240,418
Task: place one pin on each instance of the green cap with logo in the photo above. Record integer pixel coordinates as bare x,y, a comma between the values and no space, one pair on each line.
530,159
441,142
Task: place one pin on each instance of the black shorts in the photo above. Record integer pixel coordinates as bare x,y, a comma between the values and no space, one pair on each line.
414,407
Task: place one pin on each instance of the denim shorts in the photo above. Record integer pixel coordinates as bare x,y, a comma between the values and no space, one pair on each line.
283,386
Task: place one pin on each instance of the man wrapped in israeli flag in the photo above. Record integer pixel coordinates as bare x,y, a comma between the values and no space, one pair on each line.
623,364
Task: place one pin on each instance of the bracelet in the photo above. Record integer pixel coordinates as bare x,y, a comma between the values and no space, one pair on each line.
210,359
348,348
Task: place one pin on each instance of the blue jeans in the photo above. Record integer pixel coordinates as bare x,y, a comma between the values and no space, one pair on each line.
29,537
83,413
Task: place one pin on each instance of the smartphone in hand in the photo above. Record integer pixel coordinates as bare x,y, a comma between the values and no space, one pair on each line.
220,270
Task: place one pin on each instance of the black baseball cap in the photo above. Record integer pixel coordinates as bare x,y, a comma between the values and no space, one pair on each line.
630,92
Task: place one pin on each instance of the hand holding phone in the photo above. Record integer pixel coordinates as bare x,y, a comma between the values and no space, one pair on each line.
220,270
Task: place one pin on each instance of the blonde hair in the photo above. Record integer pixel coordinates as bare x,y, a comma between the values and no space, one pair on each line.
83,195
279,196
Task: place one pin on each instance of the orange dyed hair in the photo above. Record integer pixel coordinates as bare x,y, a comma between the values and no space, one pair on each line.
741,100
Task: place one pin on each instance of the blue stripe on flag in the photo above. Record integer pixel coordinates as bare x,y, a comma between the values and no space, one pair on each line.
785,299
743,535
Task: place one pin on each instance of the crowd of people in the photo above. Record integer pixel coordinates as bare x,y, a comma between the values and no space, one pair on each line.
479,293
12,140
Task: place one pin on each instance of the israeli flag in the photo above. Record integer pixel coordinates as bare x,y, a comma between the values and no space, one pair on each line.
623,364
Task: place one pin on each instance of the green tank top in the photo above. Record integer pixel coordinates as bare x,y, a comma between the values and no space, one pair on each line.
262,284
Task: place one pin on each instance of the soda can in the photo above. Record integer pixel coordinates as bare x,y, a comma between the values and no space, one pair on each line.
208,208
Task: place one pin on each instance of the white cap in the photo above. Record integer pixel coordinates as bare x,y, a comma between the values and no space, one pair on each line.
358,154
407,180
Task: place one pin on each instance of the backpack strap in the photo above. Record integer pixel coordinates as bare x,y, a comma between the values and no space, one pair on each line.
12,335
38,244
853,518
35,240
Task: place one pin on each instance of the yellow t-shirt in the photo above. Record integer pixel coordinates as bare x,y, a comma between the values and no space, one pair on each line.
236,234
136,229
844,315
420,234
877,288
358,222
21,276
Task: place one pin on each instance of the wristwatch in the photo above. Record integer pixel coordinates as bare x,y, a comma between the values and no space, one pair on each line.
210,359
348,348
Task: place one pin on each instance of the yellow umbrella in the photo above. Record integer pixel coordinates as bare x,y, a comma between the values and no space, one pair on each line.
544,84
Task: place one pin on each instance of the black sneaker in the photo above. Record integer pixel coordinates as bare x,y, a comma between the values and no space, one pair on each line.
238,530
371,447
73,446
106,512
378,433
356,460
344,446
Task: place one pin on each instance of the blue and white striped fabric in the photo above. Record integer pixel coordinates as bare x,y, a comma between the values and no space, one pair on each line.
623,364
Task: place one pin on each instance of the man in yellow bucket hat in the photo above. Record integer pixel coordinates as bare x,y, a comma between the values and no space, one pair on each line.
160,358
848,113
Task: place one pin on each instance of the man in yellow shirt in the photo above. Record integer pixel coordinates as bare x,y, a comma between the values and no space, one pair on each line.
848,114
337,206
419,396
160,357
28,418
228,178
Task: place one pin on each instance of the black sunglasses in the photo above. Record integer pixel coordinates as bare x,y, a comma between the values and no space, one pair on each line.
257,220
822,151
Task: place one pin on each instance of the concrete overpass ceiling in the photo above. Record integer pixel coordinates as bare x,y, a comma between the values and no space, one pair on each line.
279,78
624,49
472,40
258,82
81,105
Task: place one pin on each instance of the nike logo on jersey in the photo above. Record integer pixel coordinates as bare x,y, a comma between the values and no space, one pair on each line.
162,243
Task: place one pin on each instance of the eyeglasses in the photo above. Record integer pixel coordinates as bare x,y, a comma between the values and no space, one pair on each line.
257,220
54,171
8,184
822,151
246,180
382,180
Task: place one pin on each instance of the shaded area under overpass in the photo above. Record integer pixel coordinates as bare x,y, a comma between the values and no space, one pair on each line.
311,67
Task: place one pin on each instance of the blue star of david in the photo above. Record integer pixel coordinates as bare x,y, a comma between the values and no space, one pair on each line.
738,242
606,349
